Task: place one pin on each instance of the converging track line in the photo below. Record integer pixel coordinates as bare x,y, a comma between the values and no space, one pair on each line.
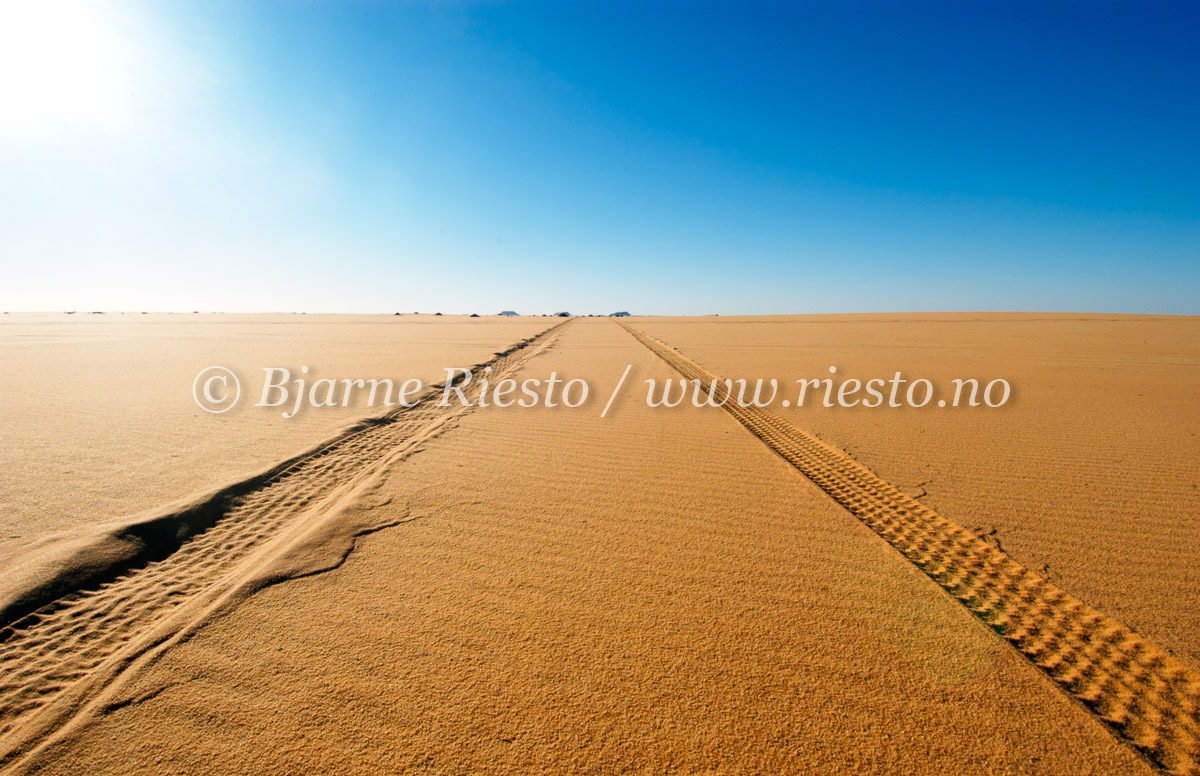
1148,697
56,660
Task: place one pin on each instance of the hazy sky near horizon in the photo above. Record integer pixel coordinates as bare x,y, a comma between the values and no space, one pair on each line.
673,158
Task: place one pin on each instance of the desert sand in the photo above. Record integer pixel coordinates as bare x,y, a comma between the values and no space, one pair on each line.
1090,475
690,590
99,420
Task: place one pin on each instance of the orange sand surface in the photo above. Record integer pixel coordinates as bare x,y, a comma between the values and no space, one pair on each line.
99,421
1090,475
543,590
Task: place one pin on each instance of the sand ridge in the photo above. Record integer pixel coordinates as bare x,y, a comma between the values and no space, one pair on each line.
652,592
99,421
65,657
656,549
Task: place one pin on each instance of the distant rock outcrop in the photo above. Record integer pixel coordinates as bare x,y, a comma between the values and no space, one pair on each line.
507,312
621,314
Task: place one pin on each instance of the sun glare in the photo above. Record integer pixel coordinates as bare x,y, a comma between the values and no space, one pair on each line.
60,65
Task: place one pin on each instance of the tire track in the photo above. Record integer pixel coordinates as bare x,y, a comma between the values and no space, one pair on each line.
59,658
1148,697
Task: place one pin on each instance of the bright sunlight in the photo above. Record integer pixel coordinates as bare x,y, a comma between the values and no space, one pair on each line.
60,64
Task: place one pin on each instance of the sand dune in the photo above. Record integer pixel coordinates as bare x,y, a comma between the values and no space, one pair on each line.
470,590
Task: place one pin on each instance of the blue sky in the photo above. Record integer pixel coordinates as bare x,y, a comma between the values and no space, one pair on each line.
658,158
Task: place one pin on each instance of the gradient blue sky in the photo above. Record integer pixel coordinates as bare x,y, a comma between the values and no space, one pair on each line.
659,158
